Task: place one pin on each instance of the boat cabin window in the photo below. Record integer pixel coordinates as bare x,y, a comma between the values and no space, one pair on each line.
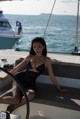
5,24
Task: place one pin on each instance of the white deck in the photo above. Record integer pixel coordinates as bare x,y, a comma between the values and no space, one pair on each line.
37,110
12,55
42,111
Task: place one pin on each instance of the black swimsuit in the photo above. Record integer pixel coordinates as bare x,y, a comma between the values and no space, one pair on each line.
28,77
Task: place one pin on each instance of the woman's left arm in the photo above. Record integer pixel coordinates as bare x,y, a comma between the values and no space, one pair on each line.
51,74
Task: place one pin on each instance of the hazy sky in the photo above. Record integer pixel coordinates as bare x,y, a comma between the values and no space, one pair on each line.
35,7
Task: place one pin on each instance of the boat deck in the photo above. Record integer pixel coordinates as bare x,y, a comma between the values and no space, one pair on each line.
12,55
49,103
49,95
52,104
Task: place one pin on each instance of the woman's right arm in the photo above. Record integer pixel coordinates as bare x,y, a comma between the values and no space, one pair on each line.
17,68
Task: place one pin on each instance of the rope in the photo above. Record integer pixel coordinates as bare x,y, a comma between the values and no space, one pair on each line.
77,22
49,18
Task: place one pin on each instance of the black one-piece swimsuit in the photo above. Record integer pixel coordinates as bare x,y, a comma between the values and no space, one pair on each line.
28,77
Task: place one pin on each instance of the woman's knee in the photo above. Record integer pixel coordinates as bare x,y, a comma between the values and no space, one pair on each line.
31,95
16,101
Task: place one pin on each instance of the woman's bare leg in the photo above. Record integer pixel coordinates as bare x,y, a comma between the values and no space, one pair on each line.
15,99
30,94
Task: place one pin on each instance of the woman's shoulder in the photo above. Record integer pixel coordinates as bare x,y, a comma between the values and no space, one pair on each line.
48,62
48,59
29,57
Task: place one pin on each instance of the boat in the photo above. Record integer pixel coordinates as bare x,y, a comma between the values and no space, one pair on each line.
8,36
49,103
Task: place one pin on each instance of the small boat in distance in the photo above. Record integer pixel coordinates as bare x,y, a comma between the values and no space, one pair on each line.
8,35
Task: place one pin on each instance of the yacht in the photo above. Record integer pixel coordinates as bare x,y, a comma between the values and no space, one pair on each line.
49,103
8,35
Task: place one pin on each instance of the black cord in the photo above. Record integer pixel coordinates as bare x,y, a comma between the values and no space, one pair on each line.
22,89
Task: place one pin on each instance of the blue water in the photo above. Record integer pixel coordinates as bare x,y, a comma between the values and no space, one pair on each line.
59,36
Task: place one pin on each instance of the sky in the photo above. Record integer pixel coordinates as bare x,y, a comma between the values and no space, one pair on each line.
35,7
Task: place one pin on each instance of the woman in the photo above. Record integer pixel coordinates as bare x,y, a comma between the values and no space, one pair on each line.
35,63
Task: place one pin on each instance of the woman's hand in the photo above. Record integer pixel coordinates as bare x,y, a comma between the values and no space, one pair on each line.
64,90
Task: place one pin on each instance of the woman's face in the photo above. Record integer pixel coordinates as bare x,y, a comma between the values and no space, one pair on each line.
38,48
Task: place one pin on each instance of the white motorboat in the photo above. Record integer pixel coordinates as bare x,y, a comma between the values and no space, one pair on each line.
8,36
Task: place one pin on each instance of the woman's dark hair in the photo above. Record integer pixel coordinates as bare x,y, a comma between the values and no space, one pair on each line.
39,40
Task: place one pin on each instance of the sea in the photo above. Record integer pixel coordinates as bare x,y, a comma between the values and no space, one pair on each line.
59,31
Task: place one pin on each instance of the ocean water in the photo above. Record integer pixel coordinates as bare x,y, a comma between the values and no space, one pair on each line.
59,36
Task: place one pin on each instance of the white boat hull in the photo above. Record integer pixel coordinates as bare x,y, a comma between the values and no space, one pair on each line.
7,43
8,35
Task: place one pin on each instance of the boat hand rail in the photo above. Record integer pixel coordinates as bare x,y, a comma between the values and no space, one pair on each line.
22,89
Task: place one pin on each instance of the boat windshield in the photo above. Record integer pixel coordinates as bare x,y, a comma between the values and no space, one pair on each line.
5,24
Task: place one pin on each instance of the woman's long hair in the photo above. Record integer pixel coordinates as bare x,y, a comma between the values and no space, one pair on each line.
39,40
